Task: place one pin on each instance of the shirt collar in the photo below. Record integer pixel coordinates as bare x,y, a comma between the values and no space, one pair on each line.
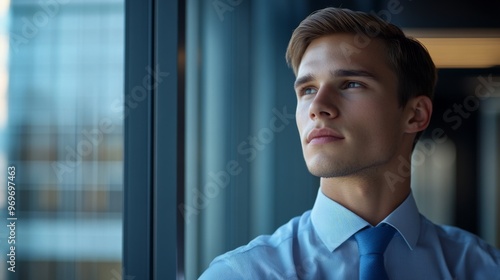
406,220
335,224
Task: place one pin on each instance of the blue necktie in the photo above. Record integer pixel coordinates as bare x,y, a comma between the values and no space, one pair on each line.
372,243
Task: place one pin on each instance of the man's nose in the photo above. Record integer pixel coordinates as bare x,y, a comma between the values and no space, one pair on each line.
324,104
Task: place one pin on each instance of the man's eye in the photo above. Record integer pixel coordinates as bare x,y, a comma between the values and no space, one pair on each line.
308,91
353,85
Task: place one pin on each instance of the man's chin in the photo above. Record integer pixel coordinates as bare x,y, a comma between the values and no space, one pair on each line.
329,172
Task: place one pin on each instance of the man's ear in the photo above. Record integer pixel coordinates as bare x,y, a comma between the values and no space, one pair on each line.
418,114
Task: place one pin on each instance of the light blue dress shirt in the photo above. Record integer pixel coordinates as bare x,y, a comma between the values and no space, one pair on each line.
320,245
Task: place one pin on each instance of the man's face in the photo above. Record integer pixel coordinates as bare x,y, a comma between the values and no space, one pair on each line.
348,114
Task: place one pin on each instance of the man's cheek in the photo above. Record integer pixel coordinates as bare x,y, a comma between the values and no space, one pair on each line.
300,124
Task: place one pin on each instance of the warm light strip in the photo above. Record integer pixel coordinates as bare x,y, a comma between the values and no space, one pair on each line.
461,48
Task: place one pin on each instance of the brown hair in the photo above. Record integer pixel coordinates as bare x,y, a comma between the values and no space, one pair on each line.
407,57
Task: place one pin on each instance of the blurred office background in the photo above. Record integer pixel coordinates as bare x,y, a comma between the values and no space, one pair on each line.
61,125
61,89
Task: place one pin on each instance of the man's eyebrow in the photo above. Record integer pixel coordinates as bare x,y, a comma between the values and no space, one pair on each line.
352,73
336,73
302,80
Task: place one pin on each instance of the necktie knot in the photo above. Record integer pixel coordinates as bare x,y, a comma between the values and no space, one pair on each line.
372,243
374,240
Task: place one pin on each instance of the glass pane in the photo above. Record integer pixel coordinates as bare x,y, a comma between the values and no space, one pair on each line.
61,125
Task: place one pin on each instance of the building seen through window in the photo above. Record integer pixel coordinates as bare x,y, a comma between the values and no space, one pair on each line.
61,124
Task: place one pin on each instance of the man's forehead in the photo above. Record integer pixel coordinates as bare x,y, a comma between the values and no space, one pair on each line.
338,51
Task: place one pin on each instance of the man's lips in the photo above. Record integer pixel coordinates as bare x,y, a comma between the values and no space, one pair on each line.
323,135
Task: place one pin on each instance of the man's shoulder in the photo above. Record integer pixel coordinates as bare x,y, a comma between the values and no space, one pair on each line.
466,251
279,240
459,239
263,255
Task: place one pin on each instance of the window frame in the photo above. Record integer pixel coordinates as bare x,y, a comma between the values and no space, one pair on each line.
153,232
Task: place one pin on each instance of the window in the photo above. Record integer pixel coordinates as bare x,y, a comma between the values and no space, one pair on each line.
62,129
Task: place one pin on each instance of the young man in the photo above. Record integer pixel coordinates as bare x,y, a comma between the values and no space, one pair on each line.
364,94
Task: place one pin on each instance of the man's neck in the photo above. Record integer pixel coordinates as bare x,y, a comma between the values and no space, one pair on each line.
370,198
